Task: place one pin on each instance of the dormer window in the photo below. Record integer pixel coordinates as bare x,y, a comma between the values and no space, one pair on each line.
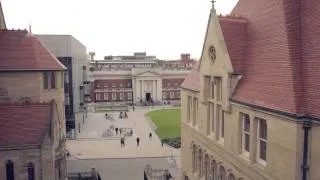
49,80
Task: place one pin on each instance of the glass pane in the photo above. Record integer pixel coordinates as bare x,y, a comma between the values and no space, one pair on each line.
222,123
263,150
247,142
246,122
263,129
212,116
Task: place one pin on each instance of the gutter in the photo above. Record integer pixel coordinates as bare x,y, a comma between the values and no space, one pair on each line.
305,167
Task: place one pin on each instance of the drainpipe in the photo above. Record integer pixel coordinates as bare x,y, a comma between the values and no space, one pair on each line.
305,167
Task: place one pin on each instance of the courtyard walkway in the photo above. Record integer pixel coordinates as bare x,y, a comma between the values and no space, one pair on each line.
91,144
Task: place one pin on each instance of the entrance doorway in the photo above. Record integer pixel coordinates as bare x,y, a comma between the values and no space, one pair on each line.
148,97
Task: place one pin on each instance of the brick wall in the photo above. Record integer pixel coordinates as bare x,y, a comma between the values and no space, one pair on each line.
171,88
112,90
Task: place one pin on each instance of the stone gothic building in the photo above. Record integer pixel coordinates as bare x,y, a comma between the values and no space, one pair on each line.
32,121
251,110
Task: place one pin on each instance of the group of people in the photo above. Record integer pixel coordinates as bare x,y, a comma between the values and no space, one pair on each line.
122,140
120,130
123,115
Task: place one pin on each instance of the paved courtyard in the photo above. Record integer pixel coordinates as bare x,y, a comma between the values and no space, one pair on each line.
91,144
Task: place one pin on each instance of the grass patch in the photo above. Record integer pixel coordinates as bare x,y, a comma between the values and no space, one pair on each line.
167,122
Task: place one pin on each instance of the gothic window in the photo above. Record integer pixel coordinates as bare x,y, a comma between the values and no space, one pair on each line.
200,162
262,140
213,169
49,80
194,157
231,177
222,173
245,133
206,167
9,170
30,167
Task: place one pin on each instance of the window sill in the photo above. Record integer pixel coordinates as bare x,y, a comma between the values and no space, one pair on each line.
245,156
261,164
221,141
212,136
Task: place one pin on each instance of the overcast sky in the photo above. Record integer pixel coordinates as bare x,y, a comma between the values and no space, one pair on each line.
164,28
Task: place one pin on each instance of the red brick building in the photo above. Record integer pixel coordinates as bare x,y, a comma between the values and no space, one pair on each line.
138,78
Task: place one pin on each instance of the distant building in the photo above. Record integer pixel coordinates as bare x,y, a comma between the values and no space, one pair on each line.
73,54
251,110
32,121
138,79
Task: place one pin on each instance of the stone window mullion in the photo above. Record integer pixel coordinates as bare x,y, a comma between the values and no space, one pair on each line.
253,139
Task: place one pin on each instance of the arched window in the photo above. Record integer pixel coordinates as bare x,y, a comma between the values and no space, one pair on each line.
213,170
206,167
194,156
222,173
9,170
30,167
200,162
231,177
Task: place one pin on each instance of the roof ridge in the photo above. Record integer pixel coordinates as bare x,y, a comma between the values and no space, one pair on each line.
14,30
232,16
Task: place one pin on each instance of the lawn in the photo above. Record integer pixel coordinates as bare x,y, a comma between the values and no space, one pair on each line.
167,122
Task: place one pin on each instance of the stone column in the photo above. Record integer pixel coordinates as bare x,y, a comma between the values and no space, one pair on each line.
134,89
156,90
154,93
159,90
142,90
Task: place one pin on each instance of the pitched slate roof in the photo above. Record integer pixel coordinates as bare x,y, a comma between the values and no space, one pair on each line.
273,69
276,49
23,124
22,51
234,33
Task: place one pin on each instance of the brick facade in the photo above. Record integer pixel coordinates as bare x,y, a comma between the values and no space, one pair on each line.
120,90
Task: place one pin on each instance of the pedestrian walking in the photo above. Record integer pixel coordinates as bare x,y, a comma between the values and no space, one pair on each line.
117,131
121,141
120,130
138,141
150,135
162,142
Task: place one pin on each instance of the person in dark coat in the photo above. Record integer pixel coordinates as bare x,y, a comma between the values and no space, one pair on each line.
150,136
138,141
117,131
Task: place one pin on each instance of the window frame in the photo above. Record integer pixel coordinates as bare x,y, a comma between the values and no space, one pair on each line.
114,96
106,96
98,97
245,133
221,123
164,95
31,166
9,163
259,139
121,96
129,95
171,94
